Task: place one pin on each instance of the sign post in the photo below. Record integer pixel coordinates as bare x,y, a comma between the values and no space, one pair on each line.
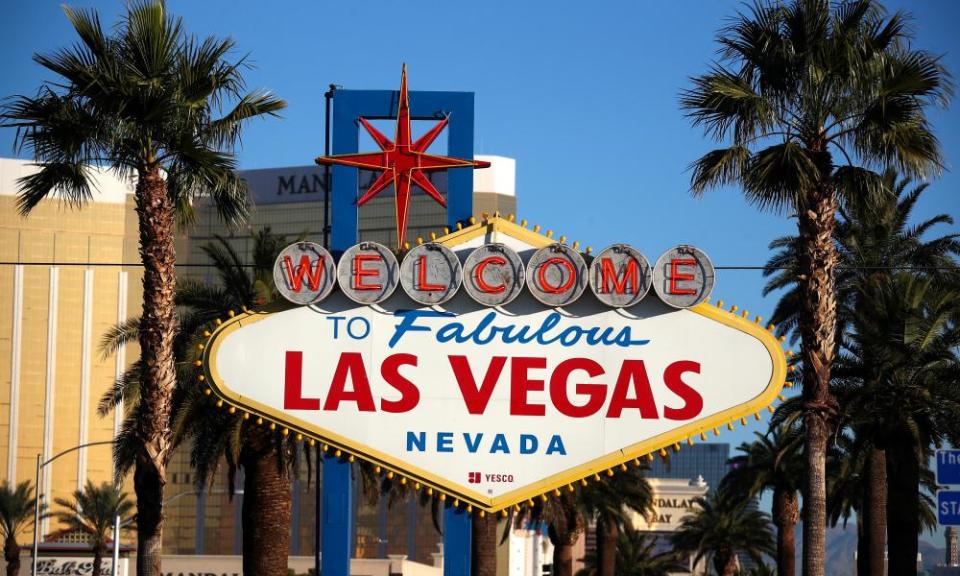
948,475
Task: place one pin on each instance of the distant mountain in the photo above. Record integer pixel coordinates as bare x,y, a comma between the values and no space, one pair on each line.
842,548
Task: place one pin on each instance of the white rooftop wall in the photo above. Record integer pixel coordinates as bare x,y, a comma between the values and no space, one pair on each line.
500,177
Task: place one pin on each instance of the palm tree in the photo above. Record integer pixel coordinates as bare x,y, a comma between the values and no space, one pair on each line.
799,82
142,100
774,461
636,556
722,526
873,239
92,511
16,513
903,351
268,459
565,523
610,502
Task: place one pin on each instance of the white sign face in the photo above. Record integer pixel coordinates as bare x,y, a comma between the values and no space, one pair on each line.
495,405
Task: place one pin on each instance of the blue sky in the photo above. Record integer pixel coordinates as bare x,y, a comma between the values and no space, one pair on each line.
583,95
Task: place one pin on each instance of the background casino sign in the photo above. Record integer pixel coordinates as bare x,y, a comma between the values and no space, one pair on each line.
494,364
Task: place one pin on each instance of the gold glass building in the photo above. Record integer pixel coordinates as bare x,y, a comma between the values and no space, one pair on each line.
70,273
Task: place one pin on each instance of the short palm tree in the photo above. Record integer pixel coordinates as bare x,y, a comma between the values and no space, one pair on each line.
92,511
217,437
565,523
774,461
610,502
636,556
16,514
142,99
808,96
722,526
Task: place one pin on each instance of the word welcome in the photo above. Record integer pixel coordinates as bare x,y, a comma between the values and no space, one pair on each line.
493,274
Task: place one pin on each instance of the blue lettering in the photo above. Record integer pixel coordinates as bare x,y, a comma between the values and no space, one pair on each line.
418,440
336,324
444,441
528,444
486,332
556,445
499,444
472,446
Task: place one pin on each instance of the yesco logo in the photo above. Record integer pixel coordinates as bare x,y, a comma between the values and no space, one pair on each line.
477,478
556,275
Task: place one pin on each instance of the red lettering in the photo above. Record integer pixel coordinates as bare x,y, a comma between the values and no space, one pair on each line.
596,393
693,402
478,275
295,279
633,371
350,365
542,276
409,393
521,385
359,272
677,276
292,384
608,274
422,283
476,397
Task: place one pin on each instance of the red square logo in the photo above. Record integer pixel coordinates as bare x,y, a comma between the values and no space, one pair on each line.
473,477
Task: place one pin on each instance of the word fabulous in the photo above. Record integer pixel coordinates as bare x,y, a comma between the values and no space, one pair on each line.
494,274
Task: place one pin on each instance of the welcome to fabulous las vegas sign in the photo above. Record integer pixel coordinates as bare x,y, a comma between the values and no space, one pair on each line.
493,364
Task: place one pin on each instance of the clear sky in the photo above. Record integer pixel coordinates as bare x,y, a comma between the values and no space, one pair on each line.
583,95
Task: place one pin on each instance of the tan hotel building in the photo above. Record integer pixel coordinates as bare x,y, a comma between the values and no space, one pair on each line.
67,274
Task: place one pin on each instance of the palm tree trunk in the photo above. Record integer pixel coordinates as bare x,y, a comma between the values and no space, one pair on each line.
156,215
903,505
725,563
563,559
266,505
483,559
874,511
786,512
11,553
97,560
818,318
607,533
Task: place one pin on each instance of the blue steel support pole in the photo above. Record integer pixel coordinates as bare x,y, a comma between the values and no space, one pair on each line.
456,542
337,516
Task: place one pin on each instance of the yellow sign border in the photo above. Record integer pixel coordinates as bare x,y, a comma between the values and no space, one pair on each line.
604,464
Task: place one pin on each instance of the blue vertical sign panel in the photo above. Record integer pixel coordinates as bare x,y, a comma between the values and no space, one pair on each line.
349,105
336,538
948,467
948,507
457,529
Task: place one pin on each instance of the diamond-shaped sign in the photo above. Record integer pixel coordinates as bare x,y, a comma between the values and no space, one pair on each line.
496,405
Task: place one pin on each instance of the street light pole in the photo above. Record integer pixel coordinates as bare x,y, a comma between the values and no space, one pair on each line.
36,502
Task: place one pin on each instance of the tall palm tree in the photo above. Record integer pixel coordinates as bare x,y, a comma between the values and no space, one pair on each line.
802,89
873,239
16,514
610,502
636,556
722,526
142,99
774,461
904,346
92,511
216,437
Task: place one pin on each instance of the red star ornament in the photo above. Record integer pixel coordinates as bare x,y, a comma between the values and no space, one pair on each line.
402,162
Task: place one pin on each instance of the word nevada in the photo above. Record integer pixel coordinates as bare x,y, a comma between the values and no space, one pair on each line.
494,274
